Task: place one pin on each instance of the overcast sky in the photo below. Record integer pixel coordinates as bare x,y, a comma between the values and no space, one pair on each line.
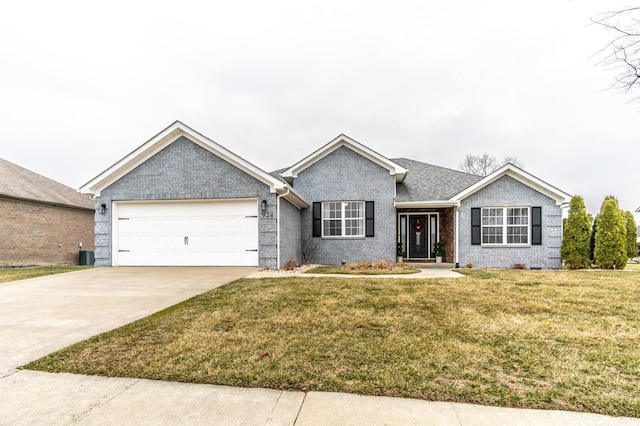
84,83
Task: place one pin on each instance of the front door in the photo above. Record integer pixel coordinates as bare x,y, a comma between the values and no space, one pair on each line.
418,241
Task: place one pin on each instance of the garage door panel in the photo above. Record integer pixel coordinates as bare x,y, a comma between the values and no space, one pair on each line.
188,233
209,258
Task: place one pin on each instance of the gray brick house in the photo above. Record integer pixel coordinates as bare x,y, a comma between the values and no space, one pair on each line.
182,199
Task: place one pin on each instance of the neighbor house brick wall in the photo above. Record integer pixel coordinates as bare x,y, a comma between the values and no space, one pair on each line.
506,192
185,171
344,175
33,233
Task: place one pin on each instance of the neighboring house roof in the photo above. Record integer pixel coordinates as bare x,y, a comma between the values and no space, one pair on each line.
170,135
521,176
426,184
342,140
19,183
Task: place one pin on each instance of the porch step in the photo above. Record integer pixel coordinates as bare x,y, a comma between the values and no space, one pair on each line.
431,265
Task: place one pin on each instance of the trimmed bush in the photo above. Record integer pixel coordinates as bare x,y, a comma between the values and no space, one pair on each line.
576,236
611,236
632,235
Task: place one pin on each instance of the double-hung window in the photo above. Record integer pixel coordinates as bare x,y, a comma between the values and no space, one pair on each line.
505,225
343,219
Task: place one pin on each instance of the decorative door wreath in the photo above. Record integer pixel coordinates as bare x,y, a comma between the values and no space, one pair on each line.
418,226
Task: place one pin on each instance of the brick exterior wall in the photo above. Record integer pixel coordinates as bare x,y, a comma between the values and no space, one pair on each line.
181,171
290,233
345,175
505,192
40,234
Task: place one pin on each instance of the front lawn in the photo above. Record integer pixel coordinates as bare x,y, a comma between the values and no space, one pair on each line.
539,339
14,274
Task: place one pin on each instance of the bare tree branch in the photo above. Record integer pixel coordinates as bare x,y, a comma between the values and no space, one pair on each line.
624,49
482,165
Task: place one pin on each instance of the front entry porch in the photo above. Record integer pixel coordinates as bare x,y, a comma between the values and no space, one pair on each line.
418,231
430,264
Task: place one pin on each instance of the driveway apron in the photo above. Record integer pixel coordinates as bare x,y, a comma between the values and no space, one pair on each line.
41,315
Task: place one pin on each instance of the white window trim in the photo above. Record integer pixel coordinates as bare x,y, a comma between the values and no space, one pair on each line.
505,226
343,219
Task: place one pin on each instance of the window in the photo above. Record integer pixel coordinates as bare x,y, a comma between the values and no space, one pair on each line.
505,225
343,219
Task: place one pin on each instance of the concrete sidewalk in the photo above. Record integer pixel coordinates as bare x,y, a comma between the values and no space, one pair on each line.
423,274
34,398
41,315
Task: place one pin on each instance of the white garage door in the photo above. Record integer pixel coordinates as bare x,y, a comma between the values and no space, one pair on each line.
199,233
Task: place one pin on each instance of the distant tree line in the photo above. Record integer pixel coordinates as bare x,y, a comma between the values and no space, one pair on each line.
606,241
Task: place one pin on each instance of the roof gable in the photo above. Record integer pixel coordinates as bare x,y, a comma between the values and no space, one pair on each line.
19,183
165,138
342,140
521,176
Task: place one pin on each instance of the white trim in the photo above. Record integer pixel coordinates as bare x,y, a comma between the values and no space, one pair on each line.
428,236
293,197
342,140
165,138
521,176
343,219
505,226
425,204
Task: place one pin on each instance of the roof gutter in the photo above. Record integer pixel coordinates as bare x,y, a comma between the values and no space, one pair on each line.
425,204
292,197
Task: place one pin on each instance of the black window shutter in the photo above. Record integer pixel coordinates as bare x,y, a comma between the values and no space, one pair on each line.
536,226
317,219
475,226
368,215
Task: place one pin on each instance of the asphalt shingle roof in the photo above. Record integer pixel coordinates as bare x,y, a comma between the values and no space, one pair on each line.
426,182
18,182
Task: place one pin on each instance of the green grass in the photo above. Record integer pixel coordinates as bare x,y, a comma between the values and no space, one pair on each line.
555,340
14,274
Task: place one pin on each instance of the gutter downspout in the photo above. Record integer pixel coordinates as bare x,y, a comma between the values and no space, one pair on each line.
457,238
278,224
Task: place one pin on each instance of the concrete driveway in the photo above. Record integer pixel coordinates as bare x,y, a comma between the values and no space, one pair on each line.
41,315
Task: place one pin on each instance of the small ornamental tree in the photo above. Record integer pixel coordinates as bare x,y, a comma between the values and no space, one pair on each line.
632,235
610,250
576,236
